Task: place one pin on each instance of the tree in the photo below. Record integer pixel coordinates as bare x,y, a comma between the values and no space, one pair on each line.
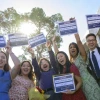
10,20
1,19
38,16
51,27
25,17
43,22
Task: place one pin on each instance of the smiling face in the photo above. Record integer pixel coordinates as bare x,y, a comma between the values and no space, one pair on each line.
61,58
73,50
3,60
25,68
91,42
44,64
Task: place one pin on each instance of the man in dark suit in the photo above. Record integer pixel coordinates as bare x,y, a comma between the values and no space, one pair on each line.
94,56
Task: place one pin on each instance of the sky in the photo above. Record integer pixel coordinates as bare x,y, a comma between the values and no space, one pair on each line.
67,8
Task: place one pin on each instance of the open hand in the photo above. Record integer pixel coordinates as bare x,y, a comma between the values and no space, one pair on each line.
48,44
30,50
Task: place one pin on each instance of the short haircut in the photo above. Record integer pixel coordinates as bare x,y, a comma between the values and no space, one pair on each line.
91,34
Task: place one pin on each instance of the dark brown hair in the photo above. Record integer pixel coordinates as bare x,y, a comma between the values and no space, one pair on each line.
91,34
76,46
40,61
68,63
6,66
31,73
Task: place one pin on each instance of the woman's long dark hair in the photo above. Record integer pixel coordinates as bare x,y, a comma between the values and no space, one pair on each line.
6,66
76,46
31,73
68,63
40,61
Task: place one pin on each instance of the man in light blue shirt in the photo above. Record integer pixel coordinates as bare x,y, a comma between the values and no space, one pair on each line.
94,56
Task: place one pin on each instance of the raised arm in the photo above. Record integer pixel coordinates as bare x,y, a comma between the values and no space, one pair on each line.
52,57
81,47
54,45
35,63
8,58
14,71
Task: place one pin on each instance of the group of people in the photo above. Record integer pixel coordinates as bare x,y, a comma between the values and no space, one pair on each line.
16,83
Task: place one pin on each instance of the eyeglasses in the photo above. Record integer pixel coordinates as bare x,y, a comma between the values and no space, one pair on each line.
91,40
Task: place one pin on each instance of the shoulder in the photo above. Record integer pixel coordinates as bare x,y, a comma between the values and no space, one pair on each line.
52,70
6,75
98,48
32,83
74,69
17,78
78,56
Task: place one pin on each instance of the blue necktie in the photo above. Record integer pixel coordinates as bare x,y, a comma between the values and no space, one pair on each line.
96,66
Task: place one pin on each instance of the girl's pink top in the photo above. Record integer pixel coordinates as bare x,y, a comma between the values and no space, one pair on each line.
19,88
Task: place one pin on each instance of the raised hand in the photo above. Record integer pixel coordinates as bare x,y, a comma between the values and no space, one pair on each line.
77,36
31,51
72,18
48,45
54,44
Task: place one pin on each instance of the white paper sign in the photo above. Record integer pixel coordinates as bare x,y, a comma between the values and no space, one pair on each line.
68,27
37,40
2,42
63,82
18,39
93,21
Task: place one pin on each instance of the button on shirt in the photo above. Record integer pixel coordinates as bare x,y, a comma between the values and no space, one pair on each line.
97,55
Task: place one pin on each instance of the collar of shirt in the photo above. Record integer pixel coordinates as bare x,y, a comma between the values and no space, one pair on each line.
95,50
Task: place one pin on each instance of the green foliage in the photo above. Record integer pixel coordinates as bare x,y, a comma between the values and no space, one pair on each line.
51,28
25,17
10,21
22,57
38,16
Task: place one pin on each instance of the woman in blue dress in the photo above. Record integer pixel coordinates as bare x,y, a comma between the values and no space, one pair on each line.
6,75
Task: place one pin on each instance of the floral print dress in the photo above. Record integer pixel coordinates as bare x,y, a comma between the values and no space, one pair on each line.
20,87
90,86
